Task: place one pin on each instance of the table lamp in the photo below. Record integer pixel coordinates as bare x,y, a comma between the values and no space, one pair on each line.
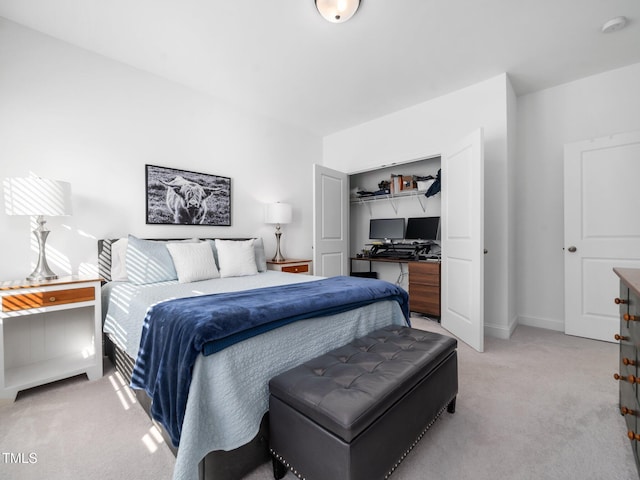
38,197
278,213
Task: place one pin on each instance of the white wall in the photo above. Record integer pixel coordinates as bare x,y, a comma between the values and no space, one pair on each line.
592,107
426,130
71,115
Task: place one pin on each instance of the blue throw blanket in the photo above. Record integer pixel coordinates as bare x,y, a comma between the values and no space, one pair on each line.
175,332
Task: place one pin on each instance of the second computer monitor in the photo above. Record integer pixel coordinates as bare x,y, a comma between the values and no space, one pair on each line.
423,228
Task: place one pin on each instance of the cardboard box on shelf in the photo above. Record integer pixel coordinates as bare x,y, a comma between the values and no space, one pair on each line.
407,182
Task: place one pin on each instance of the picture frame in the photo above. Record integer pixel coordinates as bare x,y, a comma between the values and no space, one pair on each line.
182,197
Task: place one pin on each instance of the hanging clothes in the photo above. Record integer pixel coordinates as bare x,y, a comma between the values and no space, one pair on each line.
435,186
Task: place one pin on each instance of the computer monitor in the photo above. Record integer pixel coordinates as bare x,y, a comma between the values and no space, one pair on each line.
423,228
386,229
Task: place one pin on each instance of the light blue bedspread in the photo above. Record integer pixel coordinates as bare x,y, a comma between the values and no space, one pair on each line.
175,332
229,390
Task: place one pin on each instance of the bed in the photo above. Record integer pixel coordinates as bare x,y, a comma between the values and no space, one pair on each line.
223,431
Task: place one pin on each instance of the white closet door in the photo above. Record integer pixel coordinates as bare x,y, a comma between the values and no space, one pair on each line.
462,224
330,222
601,230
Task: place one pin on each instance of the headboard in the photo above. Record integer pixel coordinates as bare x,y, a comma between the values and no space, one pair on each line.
104,252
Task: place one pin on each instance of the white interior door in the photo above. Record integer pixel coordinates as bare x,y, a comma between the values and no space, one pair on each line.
601,230
462,236
330,222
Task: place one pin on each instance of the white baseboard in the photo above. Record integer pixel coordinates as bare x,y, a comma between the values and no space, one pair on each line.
500,331
549,324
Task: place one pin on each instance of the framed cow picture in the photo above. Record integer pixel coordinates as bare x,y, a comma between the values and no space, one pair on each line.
181,197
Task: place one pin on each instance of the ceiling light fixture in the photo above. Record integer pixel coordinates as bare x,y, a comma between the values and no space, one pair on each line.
614,25
337,11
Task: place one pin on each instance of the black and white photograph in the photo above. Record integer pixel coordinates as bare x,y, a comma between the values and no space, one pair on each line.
182,197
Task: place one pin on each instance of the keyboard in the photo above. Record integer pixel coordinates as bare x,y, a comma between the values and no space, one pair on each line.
392,255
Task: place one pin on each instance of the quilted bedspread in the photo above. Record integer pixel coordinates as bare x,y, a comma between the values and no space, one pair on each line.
175,332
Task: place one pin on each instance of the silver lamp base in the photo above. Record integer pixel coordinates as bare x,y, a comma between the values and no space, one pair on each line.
278,256
42,270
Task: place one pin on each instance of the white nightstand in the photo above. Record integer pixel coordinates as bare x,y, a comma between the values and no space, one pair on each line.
291,266
49,331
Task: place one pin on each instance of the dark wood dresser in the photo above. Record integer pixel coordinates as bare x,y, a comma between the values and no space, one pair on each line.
628,375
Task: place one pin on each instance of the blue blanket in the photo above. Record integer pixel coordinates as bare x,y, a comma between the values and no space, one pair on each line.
175,332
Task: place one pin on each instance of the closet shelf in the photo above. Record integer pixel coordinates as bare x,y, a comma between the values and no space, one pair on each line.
392,198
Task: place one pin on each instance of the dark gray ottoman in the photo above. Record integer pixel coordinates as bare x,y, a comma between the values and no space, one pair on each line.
356,412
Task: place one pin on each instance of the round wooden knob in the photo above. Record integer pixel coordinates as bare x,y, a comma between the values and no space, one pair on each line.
52,299
620,301
633,436
628,361
626,411
620,337
630,318
628,378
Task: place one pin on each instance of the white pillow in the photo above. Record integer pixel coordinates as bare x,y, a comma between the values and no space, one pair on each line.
119,260
236,258
193,261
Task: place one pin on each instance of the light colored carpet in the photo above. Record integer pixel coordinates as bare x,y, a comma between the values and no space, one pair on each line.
542,405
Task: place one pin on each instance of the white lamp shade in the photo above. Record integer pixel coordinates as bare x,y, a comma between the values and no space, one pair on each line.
337,11
278,213
36,196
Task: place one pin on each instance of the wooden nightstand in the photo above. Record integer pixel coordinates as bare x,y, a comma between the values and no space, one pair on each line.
49,331
291,266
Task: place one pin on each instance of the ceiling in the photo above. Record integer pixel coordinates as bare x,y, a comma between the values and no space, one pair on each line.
281,59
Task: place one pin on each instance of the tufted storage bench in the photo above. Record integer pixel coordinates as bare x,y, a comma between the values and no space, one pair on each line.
354,413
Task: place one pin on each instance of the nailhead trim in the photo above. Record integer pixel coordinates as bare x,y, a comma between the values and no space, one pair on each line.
286,464
404,455
397,464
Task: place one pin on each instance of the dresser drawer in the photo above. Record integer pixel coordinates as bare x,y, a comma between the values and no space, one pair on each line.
628,405
424,279
424,268
632,326
291,266
424,299
25,301
296,268
428,306
628,360
428,291
427,273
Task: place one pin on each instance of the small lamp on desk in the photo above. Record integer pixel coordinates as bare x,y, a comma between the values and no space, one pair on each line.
35,196
278,213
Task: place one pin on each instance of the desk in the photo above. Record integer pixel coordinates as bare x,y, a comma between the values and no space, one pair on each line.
399,261
424,281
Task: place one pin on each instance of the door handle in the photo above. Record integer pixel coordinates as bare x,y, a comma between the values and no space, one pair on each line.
572,249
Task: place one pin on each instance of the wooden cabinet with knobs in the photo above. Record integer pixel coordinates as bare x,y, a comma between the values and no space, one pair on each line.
628,374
